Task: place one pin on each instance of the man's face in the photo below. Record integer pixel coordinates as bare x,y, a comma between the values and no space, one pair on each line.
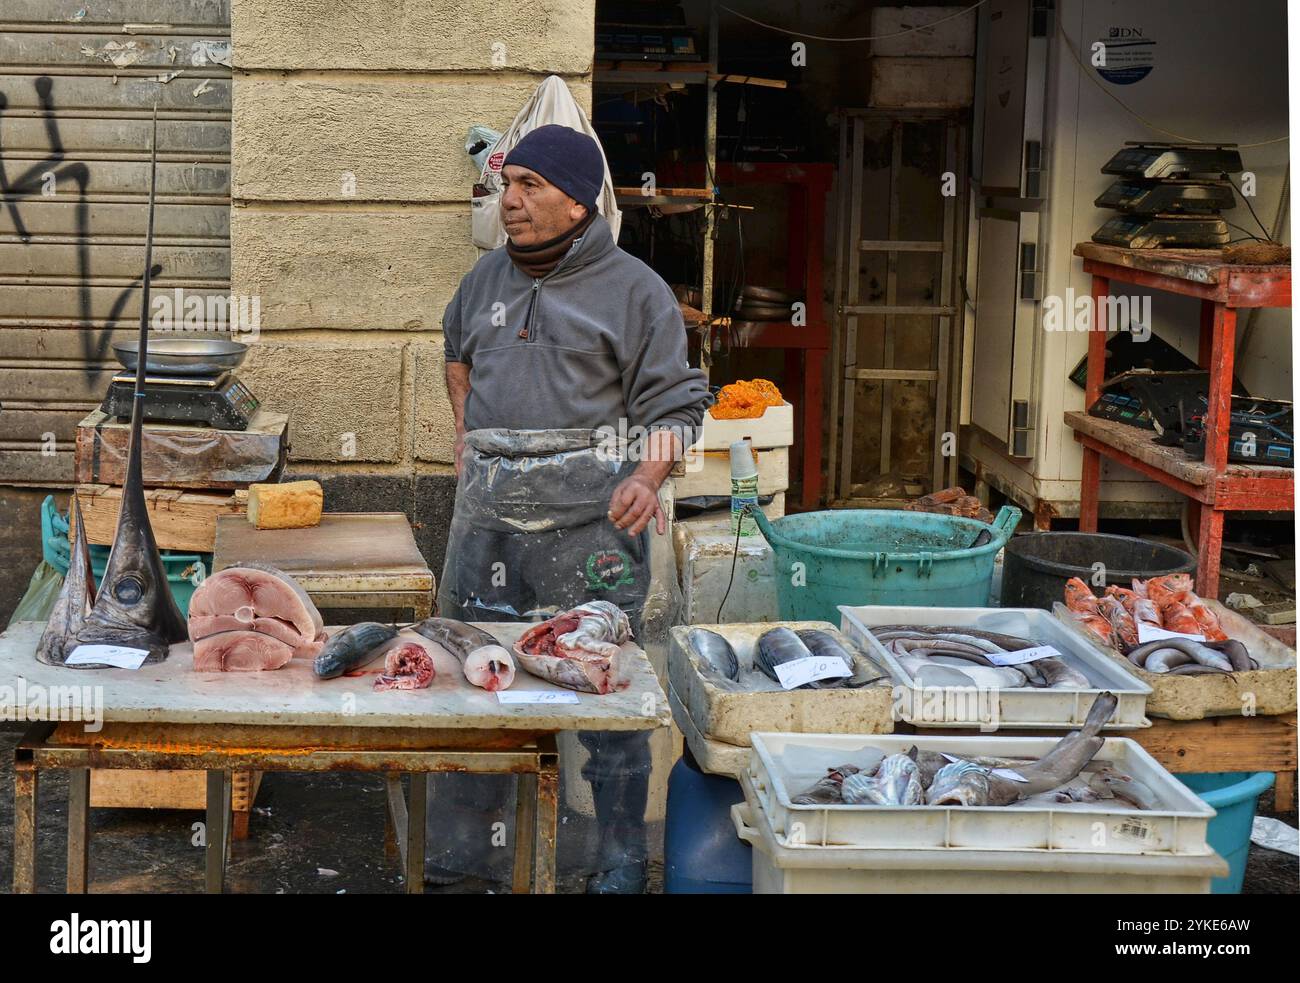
534,210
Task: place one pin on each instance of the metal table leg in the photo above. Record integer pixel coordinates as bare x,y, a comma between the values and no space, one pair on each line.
24,822
416,802
548,804
525,832
218,824
78,830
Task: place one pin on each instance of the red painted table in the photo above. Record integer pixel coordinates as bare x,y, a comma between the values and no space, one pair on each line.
1214,486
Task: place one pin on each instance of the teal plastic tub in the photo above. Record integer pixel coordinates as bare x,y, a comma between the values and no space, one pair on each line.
185,571
882,556
1233,795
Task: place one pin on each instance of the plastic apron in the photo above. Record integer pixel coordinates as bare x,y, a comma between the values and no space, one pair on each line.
530,537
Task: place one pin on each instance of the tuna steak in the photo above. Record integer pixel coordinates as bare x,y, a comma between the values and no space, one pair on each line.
255,598
240,651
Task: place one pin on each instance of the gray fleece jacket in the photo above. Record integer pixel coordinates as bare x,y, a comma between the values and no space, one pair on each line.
596,341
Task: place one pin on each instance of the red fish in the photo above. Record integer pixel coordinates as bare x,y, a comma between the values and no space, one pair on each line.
1112,609
1207,619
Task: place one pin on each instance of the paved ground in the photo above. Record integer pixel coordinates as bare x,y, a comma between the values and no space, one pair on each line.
311,834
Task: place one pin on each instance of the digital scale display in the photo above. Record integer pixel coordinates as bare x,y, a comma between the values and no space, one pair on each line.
1168,197
1163,232
221,401
1174,160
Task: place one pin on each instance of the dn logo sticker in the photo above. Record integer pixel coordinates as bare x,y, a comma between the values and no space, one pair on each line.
607,569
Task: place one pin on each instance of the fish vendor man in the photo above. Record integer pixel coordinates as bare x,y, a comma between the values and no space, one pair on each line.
555,343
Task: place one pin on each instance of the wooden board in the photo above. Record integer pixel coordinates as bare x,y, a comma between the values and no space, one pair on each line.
121,788
347,552
129,789
181,520
1139,443
171,703
183,456
1198,265
1222,743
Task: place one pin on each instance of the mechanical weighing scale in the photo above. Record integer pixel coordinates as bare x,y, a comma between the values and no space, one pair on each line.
186,381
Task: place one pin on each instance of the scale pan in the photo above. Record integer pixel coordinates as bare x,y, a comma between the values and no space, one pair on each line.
183,356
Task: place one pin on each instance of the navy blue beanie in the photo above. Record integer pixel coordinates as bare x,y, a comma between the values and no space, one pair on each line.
570,160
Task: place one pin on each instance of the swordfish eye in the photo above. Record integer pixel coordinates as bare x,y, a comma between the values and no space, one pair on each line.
128,590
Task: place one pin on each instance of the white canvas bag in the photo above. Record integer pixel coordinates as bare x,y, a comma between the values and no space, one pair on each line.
551,102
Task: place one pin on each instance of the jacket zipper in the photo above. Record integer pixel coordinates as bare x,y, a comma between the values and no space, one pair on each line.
532,304
527,333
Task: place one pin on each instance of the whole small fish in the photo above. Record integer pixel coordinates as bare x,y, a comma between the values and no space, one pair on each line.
826,790
896,782
1218,656
485,662
777,646
965,783
715,651
408,666
352,648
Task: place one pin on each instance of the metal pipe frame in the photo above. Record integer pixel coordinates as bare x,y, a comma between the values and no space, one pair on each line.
537,809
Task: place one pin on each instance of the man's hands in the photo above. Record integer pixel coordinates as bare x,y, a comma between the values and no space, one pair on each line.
636,500
458,449
634,503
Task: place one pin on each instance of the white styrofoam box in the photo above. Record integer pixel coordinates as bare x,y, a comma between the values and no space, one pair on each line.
922,83
784,765
713,757
954,38
775,428
779,869
710,473
730,714
1002,709
705,549
1269,690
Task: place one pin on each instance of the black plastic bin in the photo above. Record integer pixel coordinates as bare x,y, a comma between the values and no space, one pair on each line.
1036,565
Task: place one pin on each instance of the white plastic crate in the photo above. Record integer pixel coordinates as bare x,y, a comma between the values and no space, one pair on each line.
729,716
784,765
779,869
1001,709
775,428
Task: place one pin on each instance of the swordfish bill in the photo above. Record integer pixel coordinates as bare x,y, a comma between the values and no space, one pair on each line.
134,606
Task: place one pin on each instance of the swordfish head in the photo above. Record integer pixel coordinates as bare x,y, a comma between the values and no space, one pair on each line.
134,607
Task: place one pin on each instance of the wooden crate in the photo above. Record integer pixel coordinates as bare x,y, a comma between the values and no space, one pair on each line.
181,520
129,789
178,455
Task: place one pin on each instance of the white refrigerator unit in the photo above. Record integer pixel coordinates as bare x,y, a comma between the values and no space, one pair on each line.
1047,120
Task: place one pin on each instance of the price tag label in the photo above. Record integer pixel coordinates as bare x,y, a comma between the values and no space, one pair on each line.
111,655
536,696
1133,829
797,672
1022,656
1153,633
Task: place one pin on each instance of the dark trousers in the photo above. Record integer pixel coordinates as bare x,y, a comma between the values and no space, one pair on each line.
493,575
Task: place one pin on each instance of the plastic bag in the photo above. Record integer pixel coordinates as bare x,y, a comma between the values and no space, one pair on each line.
551,102
42,592
479,142
530,538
